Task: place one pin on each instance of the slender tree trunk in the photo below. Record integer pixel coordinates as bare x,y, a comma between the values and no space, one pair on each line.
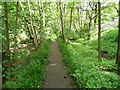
7,33
118,49
71,12
30,32
44,24
89,29
33,19
62,23
63,14
15,34
77,30
95,19
99,31
78,14
41,22
27,28
71,17
32,26
81,19
64,8
57,3
86,15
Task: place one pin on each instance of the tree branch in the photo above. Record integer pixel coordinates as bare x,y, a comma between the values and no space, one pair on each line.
116,8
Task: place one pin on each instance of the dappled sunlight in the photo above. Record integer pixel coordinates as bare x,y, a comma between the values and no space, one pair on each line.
59,44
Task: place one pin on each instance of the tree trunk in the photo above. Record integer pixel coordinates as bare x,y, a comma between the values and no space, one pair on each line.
15,34
99,31
77,30
71,18
81,23
33,15
64,8
57,3
7,33
44,23
34,18
30,32
78,14
71,12
32,26
118,49
41,22
89,29
30,35
95,19
62,23
63,15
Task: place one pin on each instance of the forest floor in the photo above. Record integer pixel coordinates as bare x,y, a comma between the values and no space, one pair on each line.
56,74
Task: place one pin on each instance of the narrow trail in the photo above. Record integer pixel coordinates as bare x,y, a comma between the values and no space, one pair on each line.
56,74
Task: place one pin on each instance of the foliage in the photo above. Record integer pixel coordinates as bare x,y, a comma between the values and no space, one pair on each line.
84,67
31,75
40,22
108,42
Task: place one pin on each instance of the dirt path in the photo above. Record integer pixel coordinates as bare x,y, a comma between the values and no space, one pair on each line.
56,74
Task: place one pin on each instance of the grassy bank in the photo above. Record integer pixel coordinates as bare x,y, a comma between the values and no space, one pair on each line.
84,67
32,74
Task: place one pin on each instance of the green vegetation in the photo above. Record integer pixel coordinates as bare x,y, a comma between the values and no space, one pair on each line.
32,74
88,34
108,42
84,67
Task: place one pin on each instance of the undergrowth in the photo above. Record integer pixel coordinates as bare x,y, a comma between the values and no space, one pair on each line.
108,42
85,68
32,74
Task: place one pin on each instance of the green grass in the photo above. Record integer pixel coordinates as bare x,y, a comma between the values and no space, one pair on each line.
108,42
31,75
84,67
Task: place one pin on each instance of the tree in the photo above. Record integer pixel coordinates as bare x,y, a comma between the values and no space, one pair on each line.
90,15
40,8
30,32
32,26
15,33
7,33
96,17
118,49
99,30
62,22
71,12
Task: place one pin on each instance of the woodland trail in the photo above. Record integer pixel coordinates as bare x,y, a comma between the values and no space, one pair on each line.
56,75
